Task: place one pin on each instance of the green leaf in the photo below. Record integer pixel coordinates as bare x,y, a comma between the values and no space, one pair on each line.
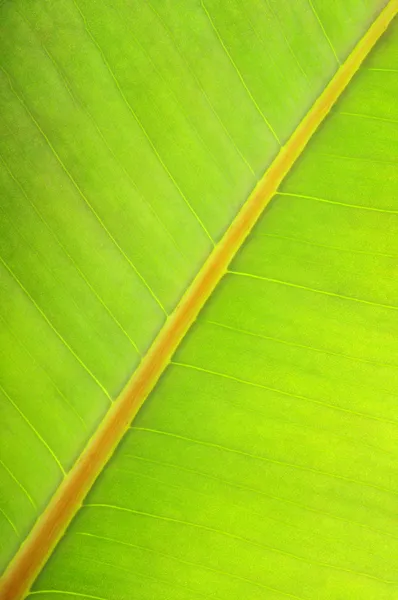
262,465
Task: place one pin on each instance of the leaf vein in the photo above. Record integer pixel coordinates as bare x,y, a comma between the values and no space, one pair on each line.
237,538
284,393
33,428
315,290
346,204
58,334
264,494
268,460
80,192
266,121
190,563
116,82
19,484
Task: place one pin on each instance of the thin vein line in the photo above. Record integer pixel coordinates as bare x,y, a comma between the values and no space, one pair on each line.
19,484
363,116
294,424
9,521
358,158
68,255
290,423
270,56
116,82
360,206
276,17
35,592
42,313
241,507
225,173
146,576
318,245
26,349
382,70
190,563
292,344
237,538
84,109
284,393
82,195
297,345
25,418
317,291
77,101
240,75
40,255
203,91
266,460
324,31
289,395
54,277
264,494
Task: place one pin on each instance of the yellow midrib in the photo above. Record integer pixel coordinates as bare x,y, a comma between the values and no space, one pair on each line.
44,536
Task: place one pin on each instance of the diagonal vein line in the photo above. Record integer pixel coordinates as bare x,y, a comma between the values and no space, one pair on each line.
10,522
298,345
263,494
84,109
240,75
200,86
19,484
307,242
187,118
33,428
148,577
327,201
284,393
291,50
381,70
310,289
54,329
310,2
80,192
379,161
364,116
63,248
186,562
55,277
238,538
186,490
41,367
265,459
130,108
78,594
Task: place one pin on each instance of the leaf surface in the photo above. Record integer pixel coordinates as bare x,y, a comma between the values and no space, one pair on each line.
131,133
263,465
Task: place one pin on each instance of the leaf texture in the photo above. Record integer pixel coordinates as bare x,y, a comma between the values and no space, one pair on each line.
264,463
131,133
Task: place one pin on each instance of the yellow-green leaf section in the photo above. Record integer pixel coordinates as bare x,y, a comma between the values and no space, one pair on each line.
130,134
263,465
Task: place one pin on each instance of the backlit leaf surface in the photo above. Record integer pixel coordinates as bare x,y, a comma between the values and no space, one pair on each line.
263,465
130,134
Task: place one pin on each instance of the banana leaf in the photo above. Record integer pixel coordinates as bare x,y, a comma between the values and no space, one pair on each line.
262,465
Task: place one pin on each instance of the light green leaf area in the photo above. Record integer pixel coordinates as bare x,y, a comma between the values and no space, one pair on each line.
264,464
130,134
